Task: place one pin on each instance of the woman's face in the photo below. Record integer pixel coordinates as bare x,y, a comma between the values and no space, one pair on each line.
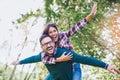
53,33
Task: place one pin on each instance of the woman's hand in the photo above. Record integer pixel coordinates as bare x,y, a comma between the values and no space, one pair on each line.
93,12
94,9
64,57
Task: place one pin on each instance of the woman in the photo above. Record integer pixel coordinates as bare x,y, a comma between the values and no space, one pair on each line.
62,40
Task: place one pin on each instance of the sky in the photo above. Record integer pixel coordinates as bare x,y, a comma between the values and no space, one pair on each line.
11,39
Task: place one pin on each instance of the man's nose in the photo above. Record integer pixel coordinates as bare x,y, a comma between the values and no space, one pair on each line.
48,44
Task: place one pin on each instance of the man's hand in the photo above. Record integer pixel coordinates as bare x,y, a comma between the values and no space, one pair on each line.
113,69
15,63
64,57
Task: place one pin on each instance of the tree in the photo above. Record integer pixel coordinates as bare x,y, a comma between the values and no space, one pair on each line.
89,41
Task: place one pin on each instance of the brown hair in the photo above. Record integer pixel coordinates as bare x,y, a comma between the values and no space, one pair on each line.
47,27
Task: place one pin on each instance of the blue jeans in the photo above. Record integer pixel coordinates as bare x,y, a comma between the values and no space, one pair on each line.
48,77
77,73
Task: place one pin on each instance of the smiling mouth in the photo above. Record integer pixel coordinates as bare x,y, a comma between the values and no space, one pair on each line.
55,38
49,48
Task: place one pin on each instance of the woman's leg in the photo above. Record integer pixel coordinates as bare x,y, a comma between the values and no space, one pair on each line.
77,73
48,77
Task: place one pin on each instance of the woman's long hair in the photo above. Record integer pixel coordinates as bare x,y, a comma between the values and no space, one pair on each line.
47,27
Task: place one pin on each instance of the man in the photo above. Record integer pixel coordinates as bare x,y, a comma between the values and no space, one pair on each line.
63,70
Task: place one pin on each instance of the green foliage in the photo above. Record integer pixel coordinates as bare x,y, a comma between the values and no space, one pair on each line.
88,41
66,13
5,72
98,73
42,71
28,15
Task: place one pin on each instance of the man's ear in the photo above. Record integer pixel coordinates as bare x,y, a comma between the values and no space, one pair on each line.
41,47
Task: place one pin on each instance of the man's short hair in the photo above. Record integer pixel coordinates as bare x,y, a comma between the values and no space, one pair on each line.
44,36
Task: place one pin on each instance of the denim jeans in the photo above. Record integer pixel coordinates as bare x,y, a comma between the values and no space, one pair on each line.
77,73
48,77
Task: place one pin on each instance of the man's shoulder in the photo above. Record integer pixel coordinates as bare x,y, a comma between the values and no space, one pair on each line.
40,53
62,49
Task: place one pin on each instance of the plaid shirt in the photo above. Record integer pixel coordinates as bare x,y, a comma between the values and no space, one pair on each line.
64,40
46,59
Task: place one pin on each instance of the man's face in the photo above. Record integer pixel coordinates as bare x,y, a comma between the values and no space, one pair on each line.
47,45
